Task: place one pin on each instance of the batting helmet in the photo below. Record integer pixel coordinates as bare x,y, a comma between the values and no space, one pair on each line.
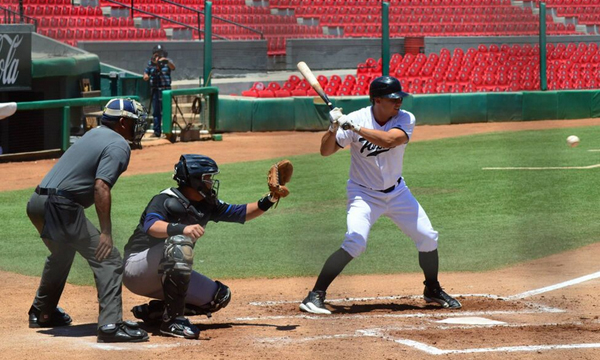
191,171
386,87
116,109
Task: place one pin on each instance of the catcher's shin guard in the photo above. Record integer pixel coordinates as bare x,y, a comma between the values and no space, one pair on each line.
220,300
176,267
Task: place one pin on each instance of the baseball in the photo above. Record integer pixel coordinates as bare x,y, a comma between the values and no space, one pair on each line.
573,141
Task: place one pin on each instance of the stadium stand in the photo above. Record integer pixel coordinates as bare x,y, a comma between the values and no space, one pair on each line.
314,19
483,69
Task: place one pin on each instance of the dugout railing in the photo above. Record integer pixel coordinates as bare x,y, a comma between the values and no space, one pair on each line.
65,121
208,100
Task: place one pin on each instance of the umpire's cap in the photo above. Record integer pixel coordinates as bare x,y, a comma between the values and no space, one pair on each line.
126,108
386,87
130,109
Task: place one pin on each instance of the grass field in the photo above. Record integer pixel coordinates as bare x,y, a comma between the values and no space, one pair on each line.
486,218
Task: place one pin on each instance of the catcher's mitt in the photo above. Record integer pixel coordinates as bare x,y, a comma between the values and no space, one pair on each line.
279,174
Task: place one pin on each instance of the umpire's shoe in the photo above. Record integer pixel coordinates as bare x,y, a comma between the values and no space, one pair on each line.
58,318
437,295
315,303
126,331
179,327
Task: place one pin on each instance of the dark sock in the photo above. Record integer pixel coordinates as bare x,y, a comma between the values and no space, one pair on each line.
429,262
332,268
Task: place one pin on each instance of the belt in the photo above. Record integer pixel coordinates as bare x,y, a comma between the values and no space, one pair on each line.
388,190
391,188
50,191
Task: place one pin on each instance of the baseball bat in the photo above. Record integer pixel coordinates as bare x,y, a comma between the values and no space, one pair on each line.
310,77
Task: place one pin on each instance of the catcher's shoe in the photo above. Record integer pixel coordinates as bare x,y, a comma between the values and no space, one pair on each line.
125,331
58,318
314,303
437,295
179,327
150,313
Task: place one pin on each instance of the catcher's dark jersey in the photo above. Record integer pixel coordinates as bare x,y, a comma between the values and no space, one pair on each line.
156,210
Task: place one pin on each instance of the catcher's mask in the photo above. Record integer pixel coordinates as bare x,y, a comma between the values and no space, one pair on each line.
386,87
198,172
129,109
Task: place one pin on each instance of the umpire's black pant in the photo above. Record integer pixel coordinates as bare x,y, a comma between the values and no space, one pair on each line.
108,274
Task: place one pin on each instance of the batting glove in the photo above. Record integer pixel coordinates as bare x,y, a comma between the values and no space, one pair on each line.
334,117
347,124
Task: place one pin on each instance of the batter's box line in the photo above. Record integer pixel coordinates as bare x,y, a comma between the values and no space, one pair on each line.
542,308
545,168
432,350
364,299
394,316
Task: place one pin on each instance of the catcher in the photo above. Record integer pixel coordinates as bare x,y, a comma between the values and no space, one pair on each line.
160,253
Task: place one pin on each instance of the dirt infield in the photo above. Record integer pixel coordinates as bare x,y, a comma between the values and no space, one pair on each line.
544,309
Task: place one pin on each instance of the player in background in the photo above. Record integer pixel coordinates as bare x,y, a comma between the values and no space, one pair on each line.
378,135
159,255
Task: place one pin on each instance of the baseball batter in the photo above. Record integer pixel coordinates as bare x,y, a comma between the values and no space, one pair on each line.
378,135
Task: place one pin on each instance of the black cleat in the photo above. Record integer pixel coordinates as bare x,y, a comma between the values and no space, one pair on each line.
58,318
179,327
437,295
315,303
126,331
150,313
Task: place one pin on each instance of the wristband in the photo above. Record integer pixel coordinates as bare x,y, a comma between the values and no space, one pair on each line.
175,229
265,203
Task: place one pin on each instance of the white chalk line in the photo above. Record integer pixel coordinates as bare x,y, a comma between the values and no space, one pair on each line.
555,287
432,350
381,333
363,299
545,168
396,316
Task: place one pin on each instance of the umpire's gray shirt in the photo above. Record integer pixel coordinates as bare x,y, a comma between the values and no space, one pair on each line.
101,153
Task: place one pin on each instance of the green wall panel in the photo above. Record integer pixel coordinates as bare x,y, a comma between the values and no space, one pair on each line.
468,108
273,114
575,104
540,105
504,106
234,114
302,113
595,104
429,109
310,115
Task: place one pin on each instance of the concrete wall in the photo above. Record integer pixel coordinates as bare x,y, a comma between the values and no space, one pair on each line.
229,57
434,45
324,54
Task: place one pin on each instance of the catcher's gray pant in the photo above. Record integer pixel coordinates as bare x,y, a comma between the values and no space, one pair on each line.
141,277
107,274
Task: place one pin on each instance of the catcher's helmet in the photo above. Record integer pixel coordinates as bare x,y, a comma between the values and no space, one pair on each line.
116,109
386,87
191,171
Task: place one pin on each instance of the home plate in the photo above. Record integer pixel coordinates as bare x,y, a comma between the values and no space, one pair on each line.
471,321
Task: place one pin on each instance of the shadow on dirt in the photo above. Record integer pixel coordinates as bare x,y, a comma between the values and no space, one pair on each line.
384,308
80,330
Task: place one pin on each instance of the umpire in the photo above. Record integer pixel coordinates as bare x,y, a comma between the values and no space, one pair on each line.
83,176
